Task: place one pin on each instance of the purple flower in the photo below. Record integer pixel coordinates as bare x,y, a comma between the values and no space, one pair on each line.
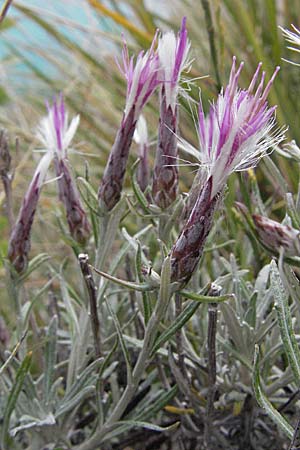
173,54
142,79
238,129
235,134
56,134
173,58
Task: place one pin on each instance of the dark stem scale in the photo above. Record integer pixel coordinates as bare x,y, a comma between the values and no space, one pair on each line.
165,176
188,248
112,182
76,216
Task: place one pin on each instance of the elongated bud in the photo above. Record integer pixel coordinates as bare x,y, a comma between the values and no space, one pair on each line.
188,248
68,193
112,181
142,80
274,235
165,175
173,54
19,243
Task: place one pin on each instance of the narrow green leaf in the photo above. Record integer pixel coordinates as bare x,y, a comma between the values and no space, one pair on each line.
75,401
122,342
183,317
134,286
165,289
34,264
265,403
206,298
13,397
137,190
50,359
285,322
148,426
145,295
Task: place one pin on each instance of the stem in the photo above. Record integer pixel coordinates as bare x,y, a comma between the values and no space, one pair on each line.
296,438
212,373
180,352
91,288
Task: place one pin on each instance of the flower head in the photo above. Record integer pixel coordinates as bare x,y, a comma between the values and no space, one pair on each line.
142,77
54,131
237,131
173,57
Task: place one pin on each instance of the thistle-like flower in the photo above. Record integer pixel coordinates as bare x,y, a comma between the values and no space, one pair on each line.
173,57
141,138
234,136
142,79
274,235
56,135
19,243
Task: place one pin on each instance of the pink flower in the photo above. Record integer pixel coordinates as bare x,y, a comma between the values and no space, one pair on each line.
234,136
56,133
142,77
173,58
238,129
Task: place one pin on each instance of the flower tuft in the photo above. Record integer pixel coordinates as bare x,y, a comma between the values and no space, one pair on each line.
238,130
173,57
142,77
54,131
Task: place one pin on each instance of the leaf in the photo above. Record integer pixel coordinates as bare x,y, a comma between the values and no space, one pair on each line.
122,342
265,403
206,298
34,264
13,397
134,286
183,317
28,422
50,359
148,426
285,322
